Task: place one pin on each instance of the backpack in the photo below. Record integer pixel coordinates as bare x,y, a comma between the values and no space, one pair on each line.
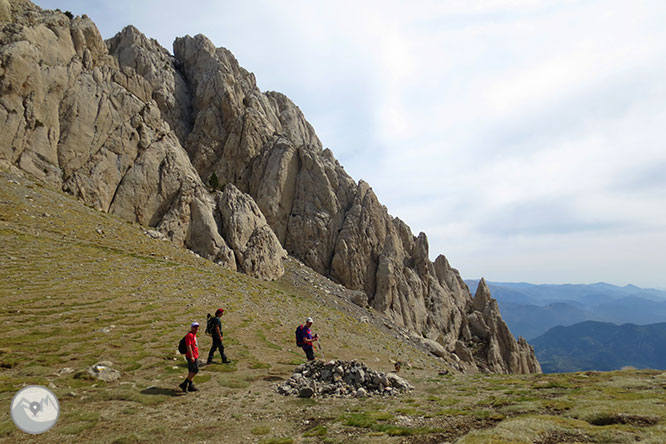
182,347
209,324
299,336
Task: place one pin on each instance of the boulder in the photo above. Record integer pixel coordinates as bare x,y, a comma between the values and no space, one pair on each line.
103,371
435,348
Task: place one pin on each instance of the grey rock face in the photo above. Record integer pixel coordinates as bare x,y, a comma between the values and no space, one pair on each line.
258,251
154,64
73,117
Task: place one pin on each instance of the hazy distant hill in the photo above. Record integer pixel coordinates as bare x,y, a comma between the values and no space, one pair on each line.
530,310
601,346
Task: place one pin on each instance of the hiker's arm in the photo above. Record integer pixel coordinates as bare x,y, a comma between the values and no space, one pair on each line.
190,351
218,332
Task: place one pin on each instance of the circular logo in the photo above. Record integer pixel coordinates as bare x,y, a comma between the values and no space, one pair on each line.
35,409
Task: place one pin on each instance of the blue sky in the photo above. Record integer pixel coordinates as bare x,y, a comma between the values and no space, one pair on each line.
527,138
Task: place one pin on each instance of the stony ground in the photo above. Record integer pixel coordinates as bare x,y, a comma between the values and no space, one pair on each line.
78,287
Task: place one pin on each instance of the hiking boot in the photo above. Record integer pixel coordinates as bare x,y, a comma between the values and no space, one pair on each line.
192,388
183,385
210,361
226,361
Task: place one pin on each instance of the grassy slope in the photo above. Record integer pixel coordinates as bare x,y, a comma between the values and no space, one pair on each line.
68,272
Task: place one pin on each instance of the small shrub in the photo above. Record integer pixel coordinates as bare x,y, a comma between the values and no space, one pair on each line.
256,365
132,367
261,430
319,430
214,182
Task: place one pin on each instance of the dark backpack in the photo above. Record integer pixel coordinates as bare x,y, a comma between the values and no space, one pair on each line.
182,347
209,324
299,336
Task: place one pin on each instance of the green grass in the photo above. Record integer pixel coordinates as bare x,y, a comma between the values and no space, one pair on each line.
261,430
317,431
377,422
234,383
76,422
122,394
55,273
6,428
258,365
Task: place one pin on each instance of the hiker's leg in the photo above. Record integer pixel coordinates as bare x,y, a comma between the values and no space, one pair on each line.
211,353
309,352
192,368
224,357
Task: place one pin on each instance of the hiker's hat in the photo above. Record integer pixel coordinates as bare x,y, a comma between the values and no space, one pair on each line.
195,324
309,319
218,311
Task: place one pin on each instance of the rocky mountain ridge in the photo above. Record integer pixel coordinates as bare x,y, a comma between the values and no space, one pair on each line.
188,144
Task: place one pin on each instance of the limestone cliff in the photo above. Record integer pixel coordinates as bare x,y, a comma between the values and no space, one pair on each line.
133,130
74,118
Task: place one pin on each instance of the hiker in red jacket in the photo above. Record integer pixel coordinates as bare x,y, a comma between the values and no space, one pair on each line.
192,357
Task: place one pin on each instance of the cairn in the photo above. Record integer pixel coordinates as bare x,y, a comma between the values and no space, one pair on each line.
343,379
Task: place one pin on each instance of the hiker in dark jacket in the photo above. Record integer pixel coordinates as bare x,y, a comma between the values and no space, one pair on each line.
216,333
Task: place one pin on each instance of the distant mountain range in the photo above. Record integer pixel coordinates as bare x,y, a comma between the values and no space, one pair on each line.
530,310
601,346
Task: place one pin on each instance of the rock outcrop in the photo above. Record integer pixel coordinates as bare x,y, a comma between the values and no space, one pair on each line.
74,118
258,251
138,132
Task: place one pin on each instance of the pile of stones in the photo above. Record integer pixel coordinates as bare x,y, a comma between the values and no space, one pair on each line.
341,379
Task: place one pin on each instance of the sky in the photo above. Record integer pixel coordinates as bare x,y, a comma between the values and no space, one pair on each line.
526,138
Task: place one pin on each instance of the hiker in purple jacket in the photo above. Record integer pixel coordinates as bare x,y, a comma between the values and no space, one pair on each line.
308,339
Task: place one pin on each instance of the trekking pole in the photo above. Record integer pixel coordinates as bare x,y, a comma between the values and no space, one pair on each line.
321,350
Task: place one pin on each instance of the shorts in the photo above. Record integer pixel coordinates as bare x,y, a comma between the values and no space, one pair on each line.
192,365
